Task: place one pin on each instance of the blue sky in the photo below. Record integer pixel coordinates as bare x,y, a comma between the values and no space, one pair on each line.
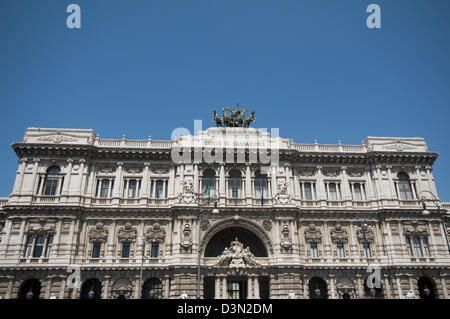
311,68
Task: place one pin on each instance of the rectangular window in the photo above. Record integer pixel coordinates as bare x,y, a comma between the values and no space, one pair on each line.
132,188
29,246
234,185
159,189
425,246
48,248
96,248
155,250
340,250
309,190
366,249
261,188
234,289
357,192
51,184
126,249
417,247
38,246
333,190
313,250
408,245
104,190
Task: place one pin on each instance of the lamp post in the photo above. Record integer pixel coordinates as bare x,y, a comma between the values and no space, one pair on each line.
200,218
441,212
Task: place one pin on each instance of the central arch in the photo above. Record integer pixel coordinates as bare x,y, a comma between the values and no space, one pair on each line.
221,234
223,238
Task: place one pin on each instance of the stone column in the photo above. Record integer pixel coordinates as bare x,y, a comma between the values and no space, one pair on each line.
360,286
444,286
248,185
274,181
105,290
166,286
249,287
34,176
370,195
20,245
10,287
432,247
387,287
5,241
431,181
402,239
222,182
224,288
196,178
256,291
332,287
62,287
91,183
137,288
66,185
419,180
399,287
82,176
145,181
346,187
19,177
393,191
217,288
118,180
321,194
172,179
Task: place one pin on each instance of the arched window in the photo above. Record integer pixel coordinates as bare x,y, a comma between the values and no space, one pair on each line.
91,289
30,289
209,183
152,289
51,181
427,288
260,185
234,184
317,288
404,186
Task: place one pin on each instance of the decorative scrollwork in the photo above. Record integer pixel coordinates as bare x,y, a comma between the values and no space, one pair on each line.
155,233
313,234
339,234
98,233
127,233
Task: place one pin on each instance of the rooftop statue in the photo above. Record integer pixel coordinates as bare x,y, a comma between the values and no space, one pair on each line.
233,118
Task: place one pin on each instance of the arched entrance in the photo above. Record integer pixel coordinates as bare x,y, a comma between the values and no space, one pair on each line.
223,238
236,249
30,289
91,289
152,289
427,288
317,288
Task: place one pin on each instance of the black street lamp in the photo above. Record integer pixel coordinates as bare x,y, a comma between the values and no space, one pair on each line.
441,212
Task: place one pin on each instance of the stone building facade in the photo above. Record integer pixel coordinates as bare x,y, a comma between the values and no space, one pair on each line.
306,224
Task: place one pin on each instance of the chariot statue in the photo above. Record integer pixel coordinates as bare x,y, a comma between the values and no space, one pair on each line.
234,118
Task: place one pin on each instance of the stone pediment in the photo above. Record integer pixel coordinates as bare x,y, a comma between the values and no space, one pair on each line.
390,144
59,136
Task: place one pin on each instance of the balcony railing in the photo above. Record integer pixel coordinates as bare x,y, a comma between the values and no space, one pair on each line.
47,199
